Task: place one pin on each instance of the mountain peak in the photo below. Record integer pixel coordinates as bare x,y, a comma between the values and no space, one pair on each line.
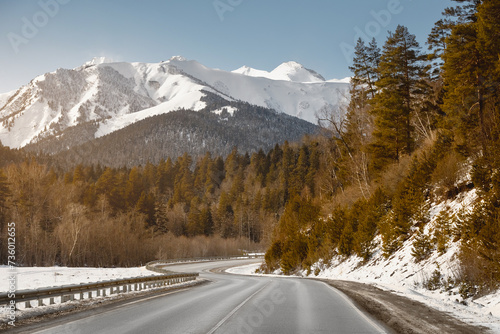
288,71
293,71
98,61
178,58
292,64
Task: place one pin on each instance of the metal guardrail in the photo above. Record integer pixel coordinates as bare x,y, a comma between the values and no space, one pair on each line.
86,290
68,292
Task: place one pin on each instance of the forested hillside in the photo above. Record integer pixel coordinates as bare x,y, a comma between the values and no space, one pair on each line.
102,216
420,129
245,126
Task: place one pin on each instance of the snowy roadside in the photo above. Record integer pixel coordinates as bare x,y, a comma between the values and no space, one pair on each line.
401,276
40,277
473,314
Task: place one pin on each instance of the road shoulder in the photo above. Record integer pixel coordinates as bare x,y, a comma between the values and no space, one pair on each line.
402,314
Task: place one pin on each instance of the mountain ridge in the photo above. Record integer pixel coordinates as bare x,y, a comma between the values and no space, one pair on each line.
117,94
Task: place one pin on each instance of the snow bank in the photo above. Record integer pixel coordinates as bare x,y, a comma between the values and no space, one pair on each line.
41,277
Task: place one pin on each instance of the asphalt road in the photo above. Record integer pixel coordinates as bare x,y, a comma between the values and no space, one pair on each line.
232,304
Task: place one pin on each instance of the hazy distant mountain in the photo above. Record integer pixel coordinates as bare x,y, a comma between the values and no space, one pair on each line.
69,107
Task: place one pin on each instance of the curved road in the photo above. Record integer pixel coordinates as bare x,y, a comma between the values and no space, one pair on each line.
231,304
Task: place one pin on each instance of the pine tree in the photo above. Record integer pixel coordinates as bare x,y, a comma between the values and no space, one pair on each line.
287,166
108,185
184,181
195,225
215,176
422,246
401,84
207,221
298,176
134,187
365,64
78,174
165,176
436,42
146,206
346,240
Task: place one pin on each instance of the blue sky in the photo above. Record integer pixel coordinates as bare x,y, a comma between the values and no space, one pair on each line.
42,35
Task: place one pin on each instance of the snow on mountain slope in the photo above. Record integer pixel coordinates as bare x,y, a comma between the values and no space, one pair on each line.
298,99
5,97
116,94
252,72
189,100
289,71
296,72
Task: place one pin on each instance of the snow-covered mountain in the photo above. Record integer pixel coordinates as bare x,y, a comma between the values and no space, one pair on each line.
289,71
113,95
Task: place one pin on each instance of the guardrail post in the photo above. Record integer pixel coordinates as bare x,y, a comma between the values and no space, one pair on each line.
27,304
51,301
40,302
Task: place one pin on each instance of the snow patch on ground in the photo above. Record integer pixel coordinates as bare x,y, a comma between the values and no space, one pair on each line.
42,277
248,269
229,109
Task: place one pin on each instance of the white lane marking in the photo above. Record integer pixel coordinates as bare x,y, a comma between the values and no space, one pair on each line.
220,323
370,321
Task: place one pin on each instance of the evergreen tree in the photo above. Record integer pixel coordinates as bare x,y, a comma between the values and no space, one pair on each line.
146,206
78,174
346,240
134,187
365,64
165,176
108,185
401,84
287,167
184,181
298,177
